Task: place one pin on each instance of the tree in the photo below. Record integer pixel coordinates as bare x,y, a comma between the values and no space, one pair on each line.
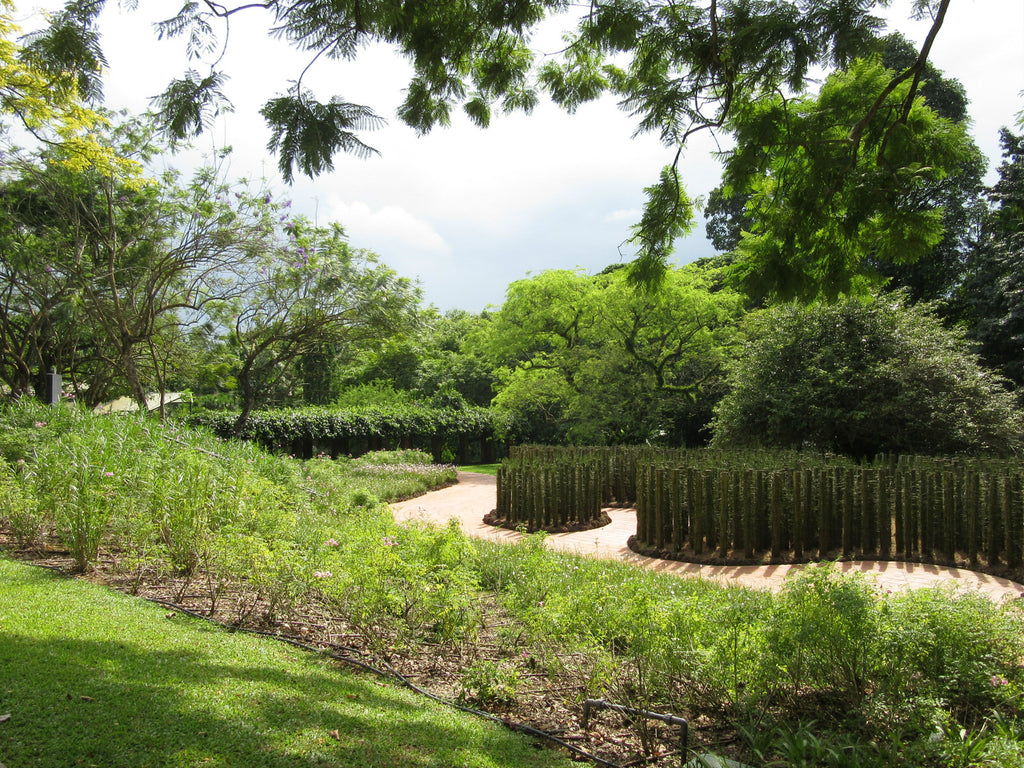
993,295
45,86
309,293
102,274
824,210
935,275
727,217
451,361
533,344
593,360
861,378
678,68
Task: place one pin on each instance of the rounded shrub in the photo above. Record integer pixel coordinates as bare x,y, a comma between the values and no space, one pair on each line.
862,378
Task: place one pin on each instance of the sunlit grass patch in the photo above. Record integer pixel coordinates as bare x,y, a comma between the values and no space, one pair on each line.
94,677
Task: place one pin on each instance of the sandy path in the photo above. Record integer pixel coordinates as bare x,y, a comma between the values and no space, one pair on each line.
474,495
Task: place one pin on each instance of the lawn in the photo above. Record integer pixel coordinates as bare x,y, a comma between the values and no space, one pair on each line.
94,677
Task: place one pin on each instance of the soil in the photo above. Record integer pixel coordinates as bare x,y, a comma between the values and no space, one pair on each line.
491,518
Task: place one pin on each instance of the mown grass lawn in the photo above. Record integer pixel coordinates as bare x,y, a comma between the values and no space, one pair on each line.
94,677
485,469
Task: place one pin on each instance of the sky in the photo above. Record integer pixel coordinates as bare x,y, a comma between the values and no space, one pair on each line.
466,211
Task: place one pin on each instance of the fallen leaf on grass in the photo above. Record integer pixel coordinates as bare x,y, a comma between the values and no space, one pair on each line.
4,718
335,735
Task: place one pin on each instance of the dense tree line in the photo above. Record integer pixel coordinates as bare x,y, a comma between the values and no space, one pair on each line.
132,285
863,263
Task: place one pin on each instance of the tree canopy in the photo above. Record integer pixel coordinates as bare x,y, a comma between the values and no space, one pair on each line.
677,68
993,294
44,92
824,210
590,359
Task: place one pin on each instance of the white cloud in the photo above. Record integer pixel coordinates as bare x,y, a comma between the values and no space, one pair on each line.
390,227
628,215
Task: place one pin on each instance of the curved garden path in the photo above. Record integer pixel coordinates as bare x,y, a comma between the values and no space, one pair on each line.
474,495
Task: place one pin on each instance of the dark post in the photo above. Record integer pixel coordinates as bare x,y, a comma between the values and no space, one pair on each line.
53,387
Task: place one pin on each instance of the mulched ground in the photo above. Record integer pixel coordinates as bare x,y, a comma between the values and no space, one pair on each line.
491,518
548,694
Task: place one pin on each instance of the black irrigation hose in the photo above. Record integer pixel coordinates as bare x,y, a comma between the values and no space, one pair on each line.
388,672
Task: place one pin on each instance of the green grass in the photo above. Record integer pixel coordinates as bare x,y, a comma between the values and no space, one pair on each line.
486,469
93,677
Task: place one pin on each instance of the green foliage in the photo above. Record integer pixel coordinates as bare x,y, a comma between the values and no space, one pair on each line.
822,634
488,682
827,640
905,678
300,304
19,509
862,378
332,428
128,288
307,134
936,274
943,646
991,299
189,105
375,394
120,482
593,360
829,200
437,356
47,77
677,69
668,215
107,273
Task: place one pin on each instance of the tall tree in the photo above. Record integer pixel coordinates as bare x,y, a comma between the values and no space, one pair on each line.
593,360
935,275
677,67
993,295
438,357
46,82
310,292
99,270
826,210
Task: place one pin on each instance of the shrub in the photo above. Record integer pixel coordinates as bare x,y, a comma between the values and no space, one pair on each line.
18,509
861,378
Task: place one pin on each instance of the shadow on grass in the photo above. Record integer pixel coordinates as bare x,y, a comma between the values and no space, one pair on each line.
91,678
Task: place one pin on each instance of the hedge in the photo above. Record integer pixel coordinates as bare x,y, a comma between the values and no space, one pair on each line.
309,431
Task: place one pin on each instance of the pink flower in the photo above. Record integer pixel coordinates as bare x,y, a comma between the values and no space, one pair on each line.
389,541
332,543
322,574
997,681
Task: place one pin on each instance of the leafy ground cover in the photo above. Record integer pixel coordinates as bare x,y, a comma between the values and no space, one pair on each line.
830,672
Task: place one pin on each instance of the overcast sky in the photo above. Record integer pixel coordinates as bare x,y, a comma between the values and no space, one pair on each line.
467,211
